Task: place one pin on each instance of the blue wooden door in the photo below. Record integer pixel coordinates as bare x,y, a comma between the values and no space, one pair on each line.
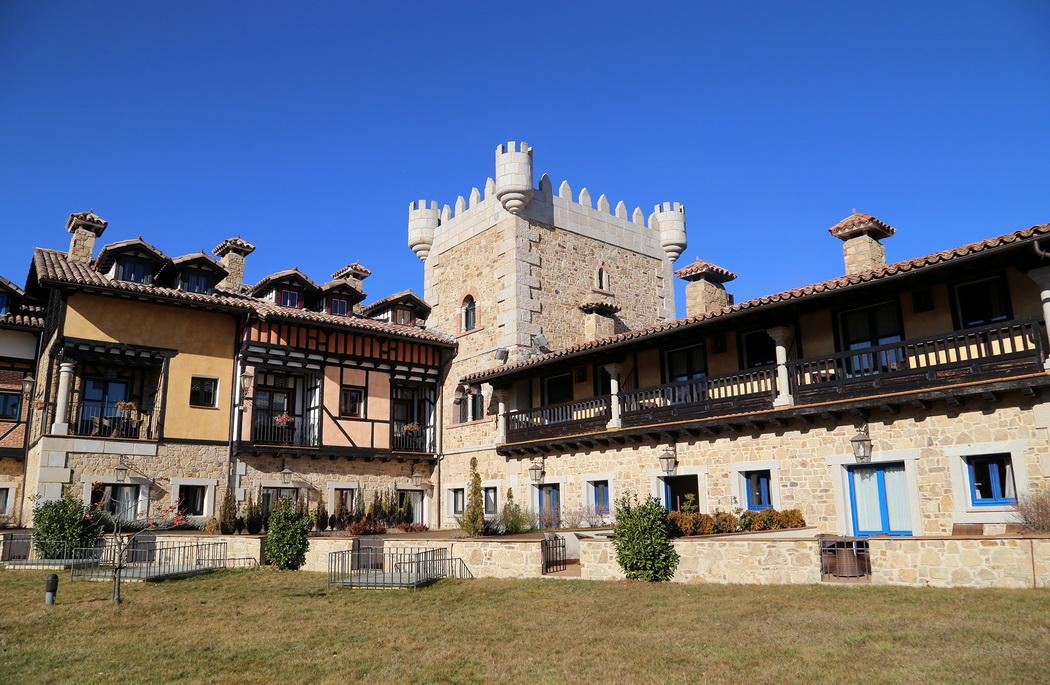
879,501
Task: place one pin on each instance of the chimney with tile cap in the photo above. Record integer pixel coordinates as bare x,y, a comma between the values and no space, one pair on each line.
860,235
232,253
85,227
705,290
598,319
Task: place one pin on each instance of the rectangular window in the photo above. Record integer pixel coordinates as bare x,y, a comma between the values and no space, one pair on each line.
477,406
337,306
10,406
557,389
757,349
345,498
204,392
270,496
404,316
5,500
4,303
992,480
489,495
685,364
463,411
133,271
352,402
191,499
288,298
600,490
121,501
756,484
983,301
456,497
194,281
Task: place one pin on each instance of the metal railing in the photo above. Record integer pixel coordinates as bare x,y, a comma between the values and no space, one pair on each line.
113,420
557,419
983,351
687,399
842,557
148,560
552,549
408,567
409,436
21,550
295,431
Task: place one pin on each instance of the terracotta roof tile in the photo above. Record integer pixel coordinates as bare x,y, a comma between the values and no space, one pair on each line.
839,283
706,270
234,244
408,295
859,224
24,317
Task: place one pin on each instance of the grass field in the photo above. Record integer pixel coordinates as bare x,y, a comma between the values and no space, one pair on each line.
268,626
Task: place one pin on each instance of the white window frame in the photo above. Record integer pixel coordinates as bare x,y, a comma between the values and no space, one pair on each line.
450,496
498,484
209,493
12,490
963,509
587,491
142,506
738,482
329,492
218,389
840,485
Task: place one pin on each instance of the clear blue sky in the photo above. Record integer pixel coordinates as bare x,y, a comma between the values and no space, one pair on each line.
308,127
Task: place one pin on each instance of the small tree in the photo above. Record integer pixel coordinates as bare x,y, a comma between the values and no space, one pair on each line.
228,513
473,519
253,518
61,525
359,505
321,515
642,541
286,541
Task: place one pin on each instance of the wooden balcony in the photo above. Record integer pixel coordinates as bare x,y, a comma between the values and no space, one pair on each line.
999,350
996,352
558,419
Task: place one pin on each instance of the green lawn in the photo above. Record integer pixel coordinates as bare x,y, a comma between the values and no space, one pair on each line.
268,626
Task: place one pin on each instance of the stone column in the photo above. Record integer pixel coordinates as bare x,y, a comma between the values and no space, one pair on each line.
60,425
782,338
615,421
501,415
1041,276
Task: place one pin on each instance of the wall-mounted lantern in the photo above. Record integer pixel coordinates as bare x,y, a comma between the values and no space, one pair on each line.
861,444
668,461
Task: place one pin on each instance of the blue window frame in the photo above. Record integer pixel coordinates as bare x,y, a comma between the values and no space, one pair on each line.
195,281
288,298
133,271
337,306
4,303
756,485
600,489
991,480
879,500
10,406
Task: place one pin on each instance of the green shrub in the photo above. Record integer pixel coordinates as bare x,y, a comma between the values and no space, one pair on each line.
514,519
228,513
642,541
473,519
253,518
59,525
239,525
321,515
286,530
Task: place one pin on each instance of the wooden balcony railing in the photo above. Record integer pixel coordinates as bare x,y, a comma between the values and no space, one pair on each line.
558,419
1000,349
114,420
698,398
293,431
409,436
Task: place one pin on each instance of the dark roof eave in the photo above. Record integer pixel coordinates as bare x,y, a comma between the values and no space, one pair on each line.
136,295
331,325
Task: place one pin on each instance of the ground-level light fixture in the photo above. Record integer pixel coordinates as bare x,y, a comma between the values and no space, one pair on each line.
861,444
536,472
28,383
668,461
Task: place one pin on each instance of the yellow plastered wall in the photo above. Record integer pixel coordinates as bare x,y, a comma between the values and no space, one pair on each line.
204,343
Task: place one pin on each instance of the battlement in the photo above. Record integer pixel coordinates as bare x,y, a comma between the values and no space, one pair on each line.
661,235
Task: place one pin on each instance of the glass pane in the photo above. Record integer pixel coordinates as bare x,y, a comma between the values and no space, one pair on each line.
982,479
897,504
866,500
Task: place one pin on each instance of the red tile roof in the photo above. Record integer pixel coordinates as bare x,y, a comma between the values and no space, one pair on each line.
234,244
859,224
706,270
906,266
403,296
24,317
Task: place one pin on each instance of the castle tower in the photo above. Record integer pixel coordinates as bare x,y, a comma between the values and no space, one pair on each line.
514,176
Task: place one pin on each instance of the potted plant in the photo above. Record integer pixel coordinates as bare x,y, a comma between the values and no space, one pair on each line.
125,406
411,428
284,420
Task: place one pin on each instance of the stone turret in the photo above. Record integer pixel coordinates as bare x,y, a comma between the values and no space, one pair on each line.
514,176
86,227
669,219
232,253
422,223
860,235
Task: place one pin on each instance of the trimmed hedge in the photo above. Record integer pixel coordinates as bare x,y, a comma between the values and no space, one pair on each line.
685,523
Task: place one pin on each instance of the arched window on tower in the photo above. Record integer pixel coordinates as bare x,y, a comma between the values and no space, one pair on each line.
601,278
470,314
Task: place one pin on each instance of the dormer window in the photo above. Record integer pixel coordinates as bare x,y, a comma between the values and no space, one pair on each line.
404,316
196,281
337,306
133,271
288,298
5,303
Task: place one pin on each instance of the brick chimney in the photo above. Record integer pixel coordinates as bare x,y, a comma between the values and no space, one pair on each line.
232,253
598,320
356,273
860,235
85,227
705,290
